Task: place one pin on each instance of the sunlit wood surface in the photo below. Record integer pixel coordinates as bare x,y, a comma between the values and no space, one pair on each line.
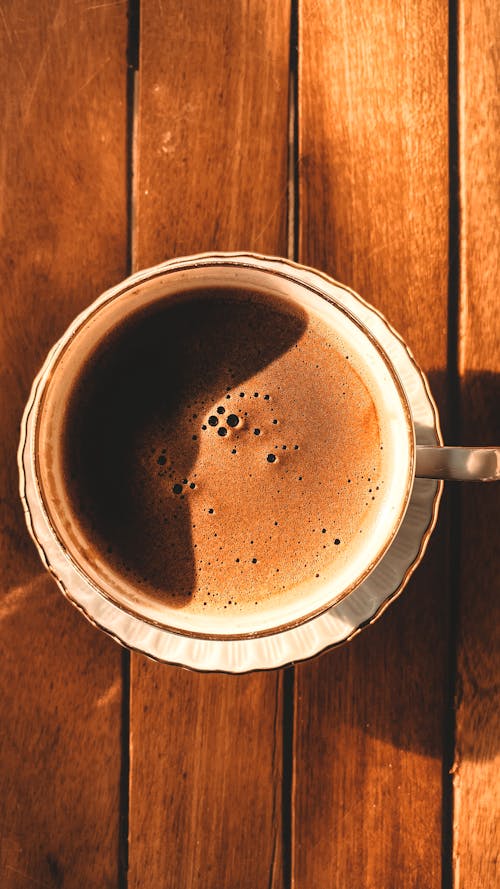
361,138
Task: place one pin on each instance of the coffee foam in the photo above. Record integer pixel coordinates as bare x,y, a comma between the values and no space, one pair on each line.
239,455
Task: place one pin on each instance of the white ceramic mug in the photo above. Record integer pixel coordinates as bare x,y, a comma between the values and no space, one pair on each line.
315,294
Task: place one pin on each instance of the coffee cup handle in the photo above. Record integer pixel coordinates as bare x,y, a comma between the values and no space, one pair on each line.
458,464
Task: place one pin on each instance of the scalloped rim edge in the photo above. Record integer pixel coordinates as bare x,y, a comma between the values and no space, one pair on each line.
136,278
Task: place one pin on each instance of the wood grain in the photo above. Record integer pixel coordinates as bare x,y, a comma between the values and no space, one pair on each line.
373,200
211,173
63,231
477,837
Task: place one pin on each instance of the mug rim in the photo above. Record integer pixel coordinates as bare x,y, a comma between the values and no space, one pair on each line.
256,263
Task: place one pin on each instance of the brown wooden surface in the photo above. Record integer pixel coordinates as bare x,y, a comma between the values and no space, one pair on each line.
373,201
476,767
212,141
63,229
215,799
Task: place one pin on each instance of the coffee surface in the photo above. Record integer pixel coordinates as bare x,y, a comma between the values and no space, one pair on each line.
220,448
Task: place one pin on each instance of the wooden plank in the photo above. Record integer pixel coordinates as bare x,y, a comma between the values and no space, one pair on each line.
476,838
212,131
63,224
373,199
206,751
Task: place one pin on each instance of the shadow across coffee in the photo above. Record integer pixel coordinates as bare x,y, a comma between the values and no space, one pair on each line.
220,448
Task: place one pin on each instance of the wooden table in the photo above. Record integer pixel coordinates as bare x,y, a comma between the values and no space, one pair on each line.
361,138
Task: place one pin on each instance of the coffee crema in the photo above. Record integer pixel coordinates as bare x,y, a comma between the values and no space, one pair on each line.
220,448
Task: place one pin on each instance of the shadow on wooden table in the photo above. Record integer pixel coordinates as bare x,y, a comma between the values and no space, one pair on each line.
403,676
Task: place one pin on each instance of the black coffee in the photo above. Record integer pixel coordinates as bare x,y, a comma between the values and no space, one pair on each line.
220,448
